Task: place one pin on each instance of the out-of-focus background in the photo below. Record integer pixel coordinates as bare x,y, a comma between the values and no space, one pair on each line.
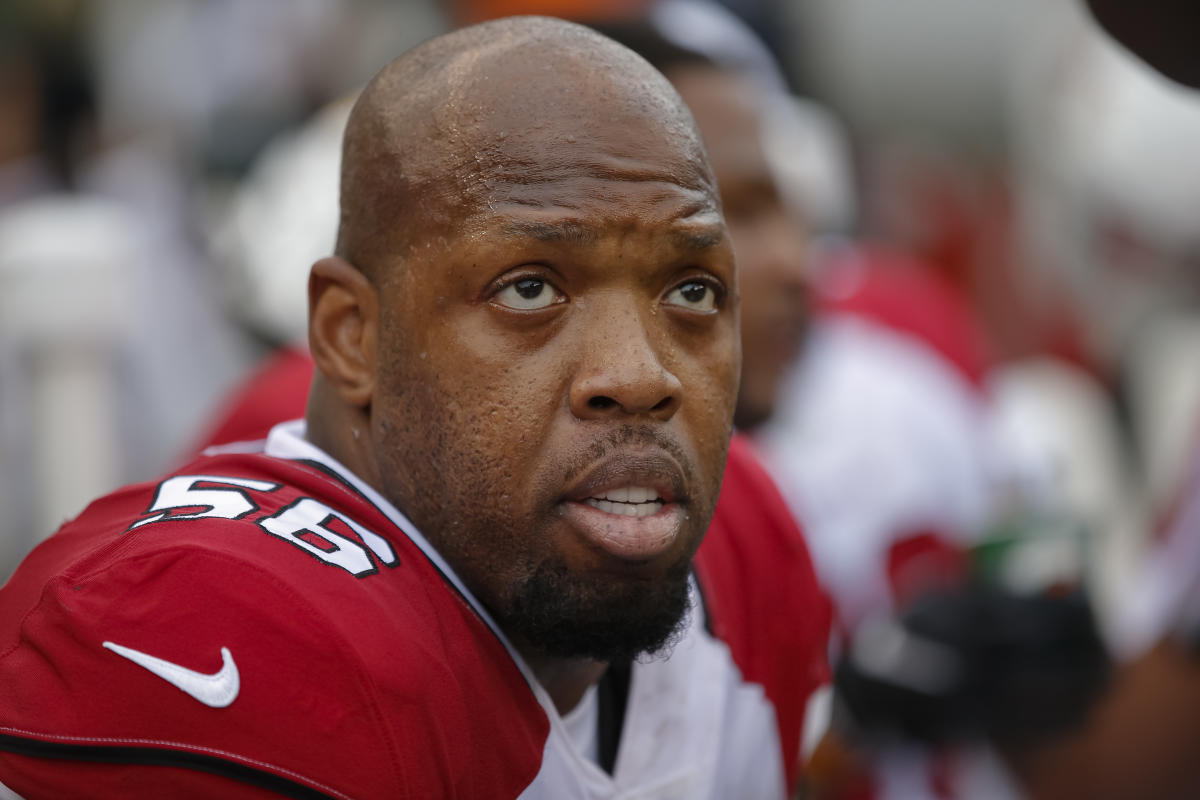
1000,211
133,277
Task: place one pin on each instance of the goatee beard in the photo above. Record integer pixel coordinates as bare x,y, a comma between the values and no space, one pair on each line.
565,615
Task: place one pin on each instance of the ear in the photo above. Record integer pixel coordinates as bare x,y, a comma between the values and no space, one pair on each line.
343,328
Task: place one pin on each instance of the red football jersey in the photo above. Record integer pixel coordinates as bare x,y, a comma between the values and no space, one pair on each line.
879,441
267,622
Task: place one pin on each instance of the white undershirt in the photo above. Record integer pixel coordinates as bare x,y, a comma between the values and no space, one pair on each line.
583,722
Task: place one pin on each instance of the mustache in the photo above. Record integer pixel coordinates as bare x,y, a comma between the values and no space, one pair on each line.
623,438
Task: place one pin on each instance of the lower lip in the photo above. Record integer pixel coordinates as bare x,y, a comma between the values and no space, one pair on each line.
628,538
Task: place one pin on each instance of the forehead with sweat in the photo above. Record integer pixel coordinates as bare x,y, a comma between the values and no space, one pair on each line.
482,114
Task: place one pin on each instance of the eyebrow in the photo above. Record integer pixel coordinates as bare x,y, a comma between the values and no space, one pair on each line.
699,238
696,238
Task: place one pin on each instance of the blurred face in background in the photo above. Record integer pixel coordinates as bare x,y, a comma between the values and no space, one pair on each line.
768,240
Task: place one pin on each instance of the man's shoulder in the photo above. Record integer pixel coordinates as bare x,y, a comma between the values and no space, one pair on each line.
242,505
294,536
253,611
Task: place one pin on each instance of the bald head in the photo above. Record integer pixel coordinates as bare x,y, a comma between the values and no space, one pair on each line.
540,304
460,122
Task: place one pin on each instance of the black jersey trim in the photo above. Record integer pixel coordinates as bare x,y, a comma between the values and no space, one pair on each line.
160,757
612,698
333,473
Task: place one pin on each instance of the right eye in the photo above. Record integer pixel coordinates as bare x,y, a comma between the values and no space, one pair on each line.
694,295
529,294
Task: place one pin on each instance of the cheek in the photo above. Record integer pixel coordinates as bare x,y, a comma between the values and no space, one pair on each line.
724,361
726,375
465,445
473,406
710,393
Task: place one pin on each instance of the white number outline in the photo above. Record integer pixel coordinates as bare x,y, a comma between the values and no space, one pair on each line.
229,499
280,526
181,491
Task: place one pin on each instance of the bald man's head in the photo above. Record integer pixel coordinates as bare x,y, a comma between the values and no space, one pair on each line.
539,311
454,124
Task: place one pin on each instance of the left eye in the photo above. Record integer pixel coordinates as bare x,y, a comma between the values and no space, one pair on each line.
695,295
527,294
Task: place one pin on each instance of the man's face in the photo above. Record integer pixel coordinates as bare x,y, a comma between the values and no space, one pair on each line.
558,372
768,239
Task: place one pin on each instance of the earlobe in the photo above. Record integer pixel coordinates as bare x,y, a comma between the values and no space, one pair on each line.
342,325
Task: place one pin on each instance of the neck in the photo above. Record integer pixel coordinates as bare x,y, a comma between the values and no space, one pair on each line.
564,679
342,432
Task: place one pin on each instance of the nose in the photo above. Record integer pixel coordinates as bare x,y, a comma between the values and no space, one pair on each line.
621,372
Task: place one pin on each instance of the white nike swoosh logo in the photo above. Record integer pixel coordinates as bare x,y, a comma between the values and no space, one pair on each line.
217,690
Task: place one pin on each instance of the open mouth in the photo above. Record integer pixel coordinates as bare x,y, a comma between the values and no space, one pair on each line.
629,504
629,501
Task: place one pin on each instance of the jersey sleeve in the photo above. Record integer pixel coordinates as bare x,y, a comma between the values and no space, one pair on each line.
186,673
254,626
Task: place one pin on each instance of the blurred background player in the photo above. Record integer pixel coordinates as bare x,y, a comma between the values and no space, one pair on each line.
1156,693
1104,420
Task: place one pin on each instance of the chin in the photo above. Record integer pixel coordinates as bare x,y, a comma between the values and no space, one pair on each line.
567,614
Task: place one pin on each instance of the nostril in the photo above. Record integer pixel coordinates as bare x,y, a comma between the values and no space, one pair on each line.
601,402
666,401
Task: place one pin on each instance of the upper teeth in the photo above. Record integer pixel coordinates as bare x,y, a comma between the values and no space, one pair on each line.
629,494
633,501
627,509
